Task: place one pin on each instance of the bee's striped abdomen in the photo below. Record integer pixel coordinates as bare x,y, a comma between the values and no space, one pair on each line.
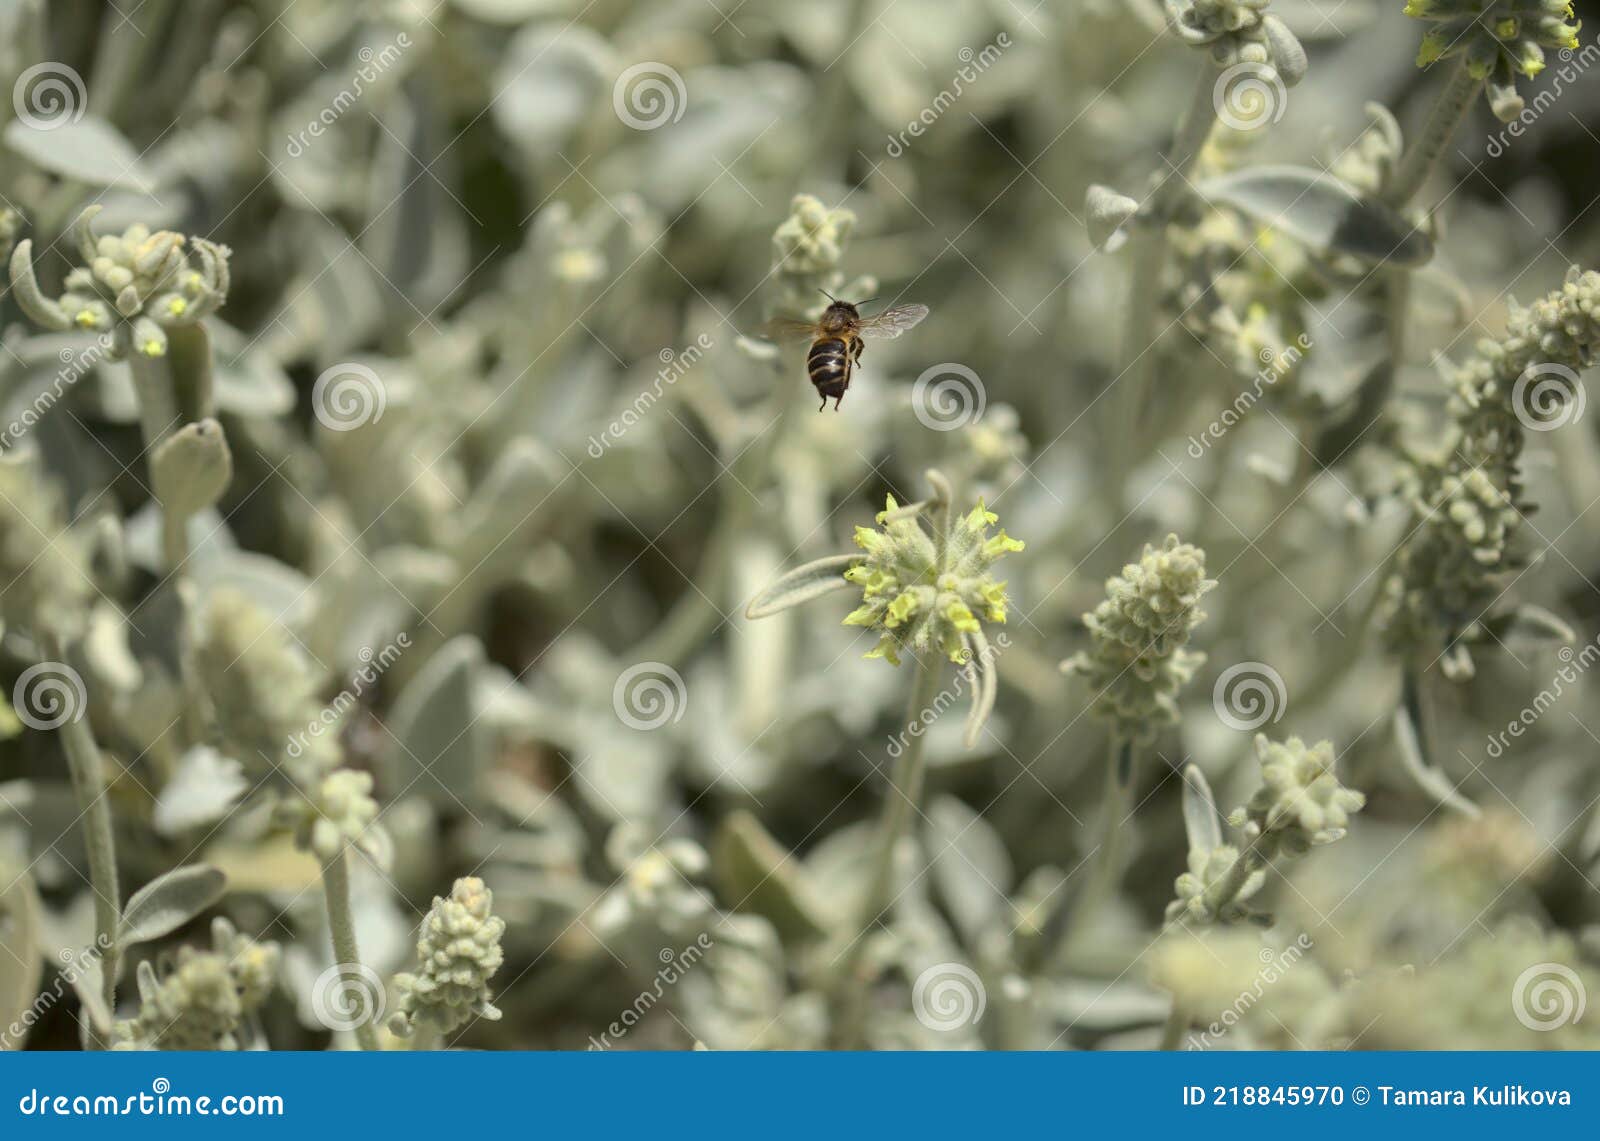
828,364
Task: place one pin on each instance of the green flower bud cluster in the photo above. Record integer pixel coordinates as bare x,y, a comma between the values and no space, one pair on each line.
340,811
458,950
1529,373
1240,32
811,239
1300,803
201,998
1453,567
1138,661
929,590
1468,506
1500,40
134,285
807,250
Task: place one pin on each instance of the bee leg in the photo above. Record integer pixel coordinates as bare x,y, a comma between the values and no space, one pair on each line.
837,400
823,405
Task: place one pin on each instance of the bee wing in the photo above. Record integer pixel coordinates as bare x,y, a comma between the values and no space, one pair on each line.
892,322
787,329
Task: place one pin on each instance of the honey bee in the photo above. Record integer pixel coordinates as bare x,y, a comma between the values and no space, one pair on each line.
837,340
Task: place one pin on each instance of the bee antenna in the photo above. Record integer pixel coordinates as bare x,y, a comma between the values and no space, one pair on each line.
826,294
868,301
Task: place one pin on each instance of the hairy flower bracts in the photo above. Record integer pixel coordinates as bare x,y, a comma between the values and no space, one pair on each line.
811,239
1499,39
807,249
1200,898
1468,505
1529,375
1454,565
925,591
1300,803
133,286
339,811
458,949
261,691
1138,660
200,1000
1240,32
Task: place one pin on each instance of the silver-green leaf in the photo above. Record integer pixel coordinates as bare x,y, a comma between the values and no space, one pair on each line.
89,150
1201,820
1324,212
168,902
813,580
22,967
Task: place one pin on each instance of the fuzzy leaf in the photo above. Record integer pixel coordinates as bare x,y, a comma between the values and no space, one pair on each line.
204,789
1339,436
1323,212
985,685
1288,57
1534,624
813,580
168,902
89,150
23,966
435,737
1429,779
1107,212
1201,820
755,873
970,865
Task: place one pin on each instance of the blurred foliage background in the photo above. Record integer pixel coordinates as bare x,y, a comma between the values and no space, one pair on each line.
489,374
